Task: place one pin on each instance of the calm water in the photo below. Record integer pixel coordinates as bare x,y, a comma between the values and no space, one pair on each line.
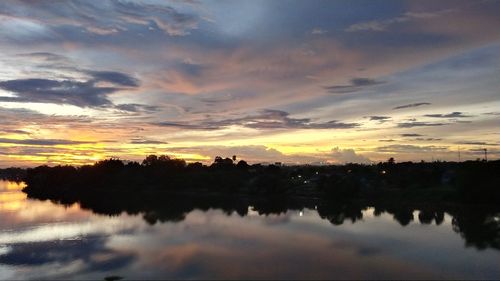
43,240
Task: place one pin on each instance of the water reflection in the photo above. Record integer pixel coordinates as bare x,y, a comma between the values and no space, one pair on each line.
11,198
232,237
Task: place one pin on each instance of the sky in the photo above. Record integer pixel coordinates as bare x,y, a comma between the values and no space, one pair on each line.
299,82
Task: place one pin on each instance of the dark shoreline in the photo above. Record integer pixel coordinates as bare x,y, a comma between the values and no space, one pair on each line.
167,190
114,185
473,182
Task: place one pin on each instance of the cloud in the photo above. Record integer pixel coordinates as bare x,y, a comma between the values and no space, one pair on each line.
146,141
114,77
476,143
253,153
20,117
380,119
428,139
412,105
357,84
480,151
43,142
60,92
43,56
406,148
262,154
455,114
318,31
103,19
83,94
266,119
369,26
492,113
419,124
347,156
383,25
22,30
14,131
135,107
411,135
417,137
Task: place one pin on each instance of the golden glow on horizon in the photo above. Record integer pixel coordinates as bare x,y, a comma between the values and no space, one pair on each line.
308,143
92,144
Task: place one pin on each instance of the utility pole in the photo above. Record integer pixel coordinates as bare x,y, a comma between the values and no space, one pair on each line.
459,154
486,155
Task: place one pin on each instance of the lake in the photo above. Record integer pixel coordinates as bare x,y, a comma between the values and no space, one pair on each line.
46,240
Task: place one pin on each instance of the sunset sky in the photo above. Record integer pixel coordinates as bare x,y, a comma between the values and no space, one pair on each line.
290,81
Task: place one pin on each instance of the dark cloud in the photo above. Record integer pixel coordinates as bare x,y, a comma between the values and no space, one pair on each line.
117,78
134,107
267,119
213,99
428,139
356,85
455,114
411,135
406,148
412,105
14,131
44,142
205,126
378,118
364,82
387,140
146,141
412,124
480,152
492,113
83,94
476,143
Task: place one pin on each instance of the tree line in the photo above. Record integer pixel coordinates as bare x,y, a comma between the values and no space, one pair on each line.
474,181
